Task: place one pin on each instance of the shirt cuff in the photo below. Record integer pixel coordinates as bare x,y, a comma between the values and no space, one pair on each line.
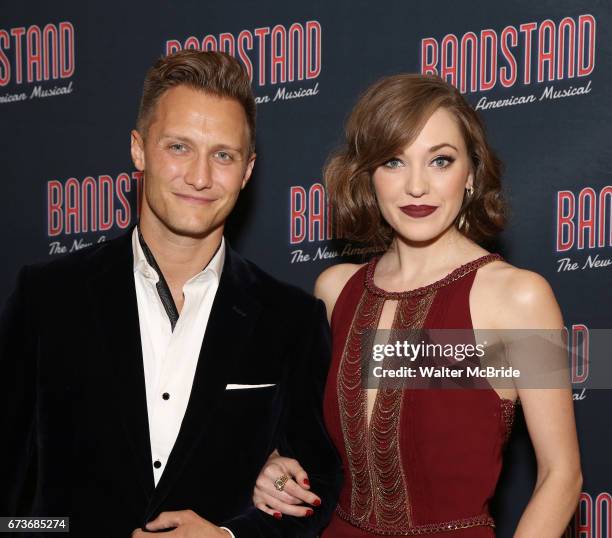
230,532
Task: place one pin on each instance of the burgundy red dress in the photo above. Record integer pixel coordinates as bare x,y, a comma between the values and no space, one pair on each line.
427,461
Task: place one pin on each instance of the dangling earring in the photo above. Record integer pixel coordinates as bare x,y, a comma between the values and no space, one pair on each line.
461,223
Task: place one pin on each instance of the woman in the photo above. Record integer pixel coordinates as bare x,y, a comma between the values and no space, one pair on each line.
418,178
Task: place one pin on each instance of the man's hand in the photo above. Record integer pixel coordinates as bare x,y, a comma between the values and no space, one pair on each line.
188,525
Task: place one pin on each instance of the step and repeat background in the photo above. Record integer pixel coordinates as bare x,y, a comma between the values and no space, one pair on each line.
539,73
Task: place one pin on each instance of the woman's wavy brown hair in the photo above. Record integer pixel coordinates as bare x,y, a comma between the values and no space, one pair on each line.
386,119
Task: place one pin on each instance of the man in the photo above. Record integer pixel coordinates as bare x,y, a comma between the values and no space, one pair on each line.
147,379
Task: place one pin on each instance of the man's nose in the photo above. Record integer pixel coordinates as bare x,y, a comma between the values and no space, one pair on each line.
200,173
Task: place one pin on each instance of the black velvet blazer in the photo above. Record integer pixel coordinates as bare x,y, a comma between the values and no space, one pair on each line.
73,416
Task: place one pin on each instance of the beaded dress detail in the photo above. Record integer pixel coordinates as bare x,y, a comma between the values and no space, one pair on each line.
427,461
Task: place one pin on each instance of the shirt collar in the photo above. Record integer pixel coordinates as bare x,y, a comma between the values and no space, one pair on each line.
142,266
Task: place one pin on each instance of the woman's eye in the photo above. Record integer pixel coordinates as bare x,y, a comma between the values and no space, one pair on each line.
442,161
393,163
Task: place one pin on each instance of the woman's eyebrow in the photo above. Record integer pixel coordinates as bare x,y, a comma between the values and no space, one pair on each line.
438,146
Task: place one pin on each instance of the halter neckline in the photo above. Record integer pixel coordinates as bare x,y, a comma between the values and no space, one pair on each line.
455,274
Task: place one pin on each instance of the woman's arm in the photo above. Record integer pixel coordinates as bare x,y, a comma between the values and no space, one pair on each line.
549,413
296,499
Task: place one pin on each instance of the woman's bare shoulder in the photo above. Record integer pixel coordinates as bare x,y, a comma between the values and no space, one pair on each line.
330,283
515,297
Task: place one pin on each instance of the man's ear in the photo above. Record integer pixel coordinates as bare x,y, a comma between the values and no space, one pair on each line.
137,150
248,171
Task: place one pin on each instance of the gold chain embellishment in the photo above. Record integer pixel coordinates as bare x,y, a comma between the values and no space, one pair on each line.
378,480
483,520
392,499
353,406
508,413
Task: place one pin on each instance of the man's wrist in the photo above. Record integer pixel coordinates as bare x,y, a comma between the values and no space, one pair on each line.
228,532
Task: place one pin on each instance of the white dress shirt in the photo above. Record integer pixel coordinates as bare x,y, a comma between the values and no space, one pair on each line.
170,357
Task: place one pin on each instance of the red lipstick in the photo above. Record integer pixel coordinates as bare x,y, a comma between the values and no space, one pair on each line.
418,211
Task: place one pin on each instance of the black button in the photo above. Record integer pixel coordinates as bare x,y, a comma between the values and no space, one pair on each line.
166,396
157,464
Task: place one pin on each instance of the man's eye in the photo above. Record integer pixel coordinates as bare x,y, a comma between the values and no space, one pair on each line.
178,148
393,163
442,161
224,156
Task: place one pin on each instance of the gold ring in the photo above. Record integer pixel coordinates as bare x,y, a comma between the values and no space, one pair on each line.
280,482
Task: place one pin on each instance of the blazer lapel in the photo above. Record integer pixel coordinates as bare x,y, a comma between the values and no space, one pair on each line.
114,295
231,322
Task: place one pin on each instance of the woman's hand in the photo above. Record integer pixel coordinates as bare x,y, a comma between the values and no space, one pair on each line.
295,492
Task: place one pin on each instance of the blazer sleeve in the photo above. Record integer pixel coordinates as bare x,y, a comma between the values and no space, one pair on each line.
17,403
303,437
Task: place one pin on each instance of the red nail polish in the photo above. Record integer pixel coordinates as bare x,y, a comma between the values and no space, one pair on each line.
306,482
316,502
278,515
309,512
